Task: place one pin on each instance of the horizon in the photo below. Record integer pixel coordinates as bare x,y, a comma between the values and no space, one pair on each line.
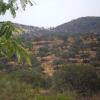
54,12
54,26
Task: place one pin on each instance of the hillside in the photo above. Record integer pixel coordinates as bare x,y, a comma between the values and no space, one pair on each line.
56,47
81,25
30,31
75,49
59,59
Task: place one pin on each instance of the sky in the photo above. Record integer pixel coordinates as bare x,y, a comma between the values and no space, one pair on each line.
50,13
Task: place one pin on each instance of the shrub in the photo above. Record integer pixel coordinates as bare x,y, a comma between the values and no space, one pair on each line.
28,76
81,78
14,90
43,51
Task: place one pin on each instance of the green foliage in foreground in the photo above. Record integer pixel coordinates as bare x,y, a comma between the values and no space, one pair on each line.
9,46
13,6
24,84
12,89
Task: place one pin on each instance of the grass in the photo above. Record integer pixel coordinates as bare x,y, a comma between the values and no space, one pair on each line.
57,97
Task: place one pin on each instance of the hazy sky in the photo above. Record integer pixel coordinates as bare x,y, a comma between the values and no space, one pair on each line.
54,12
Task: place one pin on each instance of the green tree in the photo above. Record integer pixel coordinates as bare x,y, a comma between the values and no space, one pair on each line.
81,78
13,6
8,44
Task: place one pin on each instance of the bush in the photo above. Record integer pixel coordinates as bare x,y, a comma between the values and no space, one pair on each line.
43,51
28,76
14,90
81,78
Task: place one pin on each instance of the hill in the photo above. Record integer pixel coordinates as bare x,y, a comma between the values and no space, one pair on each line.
81,25
52,51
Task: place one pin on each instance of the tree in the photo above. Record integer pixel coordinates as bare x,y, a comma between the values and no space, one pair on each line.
13,6
81,78
8,44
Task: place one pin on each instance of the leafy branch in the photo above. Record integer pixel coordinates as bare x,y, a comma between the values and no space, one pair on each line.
9,46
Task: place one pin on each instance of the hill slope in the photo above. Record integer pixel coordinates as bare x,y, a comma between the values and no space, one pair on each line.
81,25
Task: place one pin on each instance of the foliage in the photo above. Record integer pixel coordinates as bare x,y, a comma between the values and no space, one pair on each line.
13,6
43,51
57,62
56,97
96,46
81,78
14,90
10,46
66,55
36,65
28,76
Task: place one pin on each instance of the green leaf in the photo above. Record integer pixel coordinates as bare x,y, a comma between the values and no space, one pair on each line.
9,46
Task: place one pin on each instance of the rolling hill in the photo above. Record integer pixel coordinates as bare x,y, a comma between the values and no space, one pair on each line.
81,25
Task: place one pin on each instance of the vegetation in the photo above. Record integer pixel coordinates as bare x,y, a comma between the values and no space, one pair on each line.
71,78
63,66
80,25
11,89
8,44
81,78
13,6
